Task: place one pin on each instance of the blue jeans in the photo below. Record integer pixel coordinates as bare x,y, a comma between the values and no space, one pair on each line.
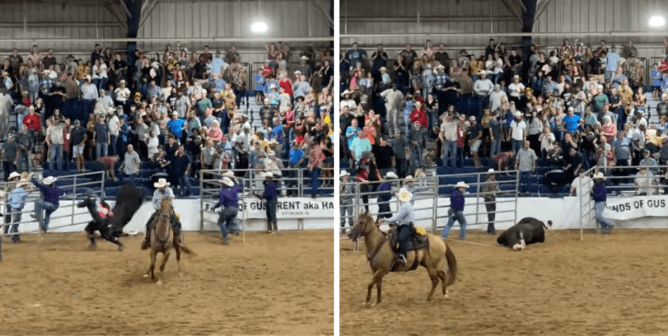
495,148
598,214
315,181
450,148
101,149
271,209
459,217
49,208
525,181
517,145
112,144
56,152
225,220
14,228
184,185
407,123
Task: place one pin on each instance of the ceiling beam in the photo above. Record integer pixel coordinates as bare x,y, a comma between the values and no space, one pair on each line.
113,12
540,11
148,14
512,11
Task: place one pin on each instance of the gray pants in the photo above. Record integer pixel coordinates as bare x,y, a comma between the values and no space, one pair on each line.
346,206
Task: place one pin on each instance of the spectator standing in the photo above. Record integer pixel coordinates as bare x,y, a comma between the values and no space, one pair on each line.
456,211
526,164
54,140
102,138
490,189
11,152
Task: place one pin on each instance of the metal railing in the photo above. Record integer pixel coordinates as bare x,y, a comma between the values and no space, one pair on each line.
73,185
431,190
618,184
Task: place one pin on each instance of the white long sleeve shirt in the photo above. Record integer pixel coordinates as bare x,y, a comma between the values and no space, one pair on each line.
159,195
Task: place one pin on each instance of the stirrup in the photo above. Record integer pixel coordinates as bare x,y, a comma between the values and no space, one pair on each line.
401,258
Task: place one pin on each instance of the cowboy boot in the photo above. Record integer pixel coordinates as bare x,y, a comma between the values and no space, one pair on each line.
147,239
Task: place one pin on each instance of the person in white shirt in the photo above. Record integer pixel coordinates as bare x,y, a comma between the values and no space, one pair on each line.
393,98
162,191
88,89
518,132
122,93
105,100
495,97
113,125
516,89
449,137
483,88
582,180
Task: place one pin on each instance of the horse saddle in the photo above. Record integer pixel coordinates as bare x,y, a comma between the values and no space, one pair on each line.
417,241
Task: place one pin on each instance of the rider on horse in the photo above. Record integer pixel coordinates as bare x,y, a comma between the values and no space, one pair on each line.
404,219
162,191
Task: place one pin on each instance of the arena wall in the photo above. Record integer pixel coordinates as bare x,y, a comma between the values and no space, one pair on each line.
492,16
190,219
563,212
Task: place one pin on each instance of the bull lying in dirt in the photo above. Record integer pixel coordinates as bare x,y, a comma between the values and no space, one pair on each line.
527,231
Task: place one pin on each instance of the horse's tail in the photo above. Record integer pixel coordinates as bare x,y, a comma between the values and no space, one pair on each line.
186,249
451,276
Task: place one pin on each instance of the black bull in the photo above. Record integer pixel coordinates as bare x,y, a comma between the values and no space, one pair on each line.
529,228
128,202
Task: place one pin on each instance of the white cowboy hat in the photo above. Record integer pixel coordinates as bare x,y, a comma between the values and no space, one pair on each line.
344,173
345,92
383,69
14,175
49,180
490,171
518,114
304,58
599,176
516,76
461,184
229,174
409,178
391,175
404,195
268,174
226,181
440,66
161,183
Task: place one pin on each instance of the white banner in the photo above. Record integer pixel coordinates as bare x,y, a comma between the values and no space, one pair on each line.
636,207
288,208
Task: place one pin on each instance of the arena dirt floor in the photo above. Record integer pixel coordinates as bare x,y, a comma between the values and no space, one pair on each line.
604,285
280,284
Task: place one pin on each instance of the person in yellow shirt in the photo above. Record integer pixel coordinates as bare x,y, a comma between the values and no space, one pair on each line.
82,71
625,92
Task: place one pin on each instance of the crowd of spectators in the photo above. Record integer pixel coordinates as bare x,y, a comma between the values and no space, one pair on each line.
177,112
575,108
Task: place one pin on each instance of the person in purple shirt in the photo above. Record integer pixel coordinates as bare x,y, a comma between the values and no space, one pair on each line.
384,195
49,203
599,194
270,195
229,200
456,211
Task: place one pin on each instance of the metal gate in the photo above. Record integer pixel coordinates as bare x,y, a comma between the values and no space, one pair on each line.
74,186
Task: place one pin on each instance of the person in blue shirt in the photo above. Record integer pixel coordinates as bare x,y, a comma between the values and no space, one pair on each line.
177,126
17,200
295,161
384,195
599,194
259,86
404,219
572,121
655,75
237,188
229,201
270,195
456,211
611,62
49,203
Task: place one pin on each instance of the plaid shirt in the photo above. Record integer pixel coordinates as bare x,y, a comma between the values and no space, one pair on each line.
440,80
45,84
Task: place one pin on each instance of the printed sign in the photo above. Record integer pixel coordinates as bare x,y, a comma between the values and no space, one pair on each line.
293,207
636,207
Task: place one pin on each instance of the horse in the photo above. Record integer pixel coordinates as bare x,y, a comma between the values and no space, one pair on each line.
382,259
128,202
162,238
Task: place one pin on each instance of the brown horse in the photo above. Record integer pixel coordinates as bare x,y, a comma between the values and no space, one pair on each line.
162,238
382,259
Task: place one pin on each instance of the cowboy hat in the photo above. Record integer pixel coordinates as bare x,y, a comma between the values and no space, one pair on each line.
409,178
268,174
49,180
490,171
304,58
599,176
440,66
391,175
14,175
404,195
229,174
226,181
461,184
161,183
345,92
344,173
383,69
122,81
